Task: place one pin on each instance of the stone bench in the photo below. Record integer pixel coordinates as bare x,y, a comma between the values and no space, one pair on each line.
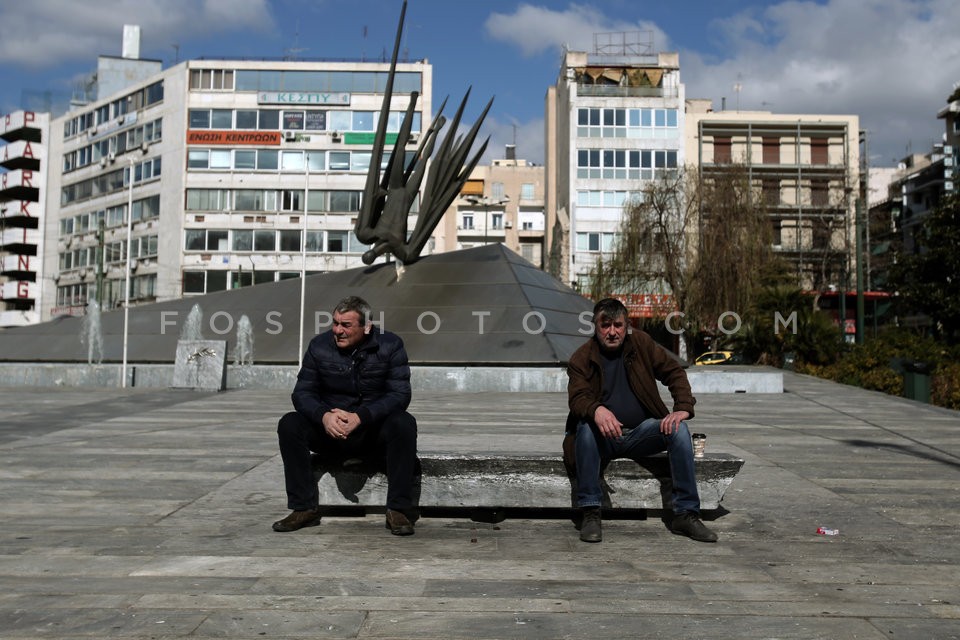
499,482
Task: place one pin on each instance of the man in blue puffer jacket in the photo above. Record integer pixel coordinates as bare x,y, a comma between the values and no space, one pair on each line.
351,397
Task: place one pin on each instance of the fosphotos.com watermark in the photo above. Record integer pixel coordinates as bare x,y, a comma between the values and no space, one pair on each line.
221,323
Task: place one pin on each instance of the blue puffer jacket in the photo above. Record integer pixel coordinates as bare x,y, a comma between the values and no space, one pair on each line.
373,381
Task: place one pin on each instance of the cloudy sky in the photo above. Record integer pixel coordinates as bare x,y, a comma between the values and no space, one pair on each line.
892,62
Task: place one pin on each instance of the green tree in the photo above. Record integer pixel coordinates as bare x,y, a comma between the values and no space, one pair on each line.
928,281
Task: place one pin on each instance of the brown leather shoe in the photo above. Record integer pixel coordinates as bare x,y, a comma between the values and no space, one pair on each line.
298,520
398,523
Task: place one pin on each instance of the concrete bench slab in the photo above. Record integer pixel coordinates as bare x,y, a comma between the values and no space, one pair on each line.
498,481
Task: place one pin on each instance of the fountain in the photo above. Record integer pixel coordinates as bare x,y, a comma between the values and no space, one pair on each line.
193,327
244,352
91,333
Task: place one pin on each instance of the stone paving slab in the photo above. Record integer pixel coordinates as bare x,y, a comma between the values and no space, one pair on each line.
135,514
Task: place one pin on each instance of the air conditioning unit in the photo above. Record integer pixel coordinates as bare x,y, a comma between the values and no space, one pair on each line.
335,136
103,161
508,225
112,157
120,121
289,136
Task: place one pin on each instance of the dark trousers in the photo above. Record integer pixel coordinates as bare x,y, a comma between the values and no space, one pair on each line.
392,442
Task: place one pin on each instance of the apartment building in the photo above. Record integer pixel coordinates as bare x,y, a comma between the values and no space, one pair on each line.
23,194
806,169
500,202
614,121
215,174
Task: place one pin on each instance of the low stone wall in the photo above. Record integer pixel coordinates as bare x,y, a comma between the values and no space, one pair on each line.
740,379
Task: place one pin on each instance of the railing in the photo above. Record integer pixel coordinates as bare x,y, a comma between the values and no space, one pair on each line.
612,91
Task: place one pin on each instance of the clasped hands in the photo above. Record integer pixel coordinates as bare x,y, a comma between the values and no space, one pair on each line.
339,423
610,427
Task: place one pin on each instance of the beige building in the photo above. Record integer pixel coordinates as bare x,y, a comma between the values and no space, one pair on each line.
501,202
806,167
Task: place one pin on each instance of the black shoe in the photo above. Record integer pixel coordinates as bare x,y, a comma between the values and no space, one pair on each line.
398,523
690,525
298,520
590,525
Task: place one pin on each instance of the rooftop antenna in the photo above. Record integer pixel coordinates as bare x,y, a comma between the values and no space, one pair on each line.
292,52
363,53
176,53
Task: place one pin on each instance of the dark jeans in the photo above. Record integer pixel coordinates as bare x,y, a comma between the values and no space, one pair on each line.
593,452
393,441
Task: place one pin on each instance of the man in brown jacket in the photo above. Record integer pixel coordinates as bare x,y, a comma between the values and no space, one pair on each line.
616,412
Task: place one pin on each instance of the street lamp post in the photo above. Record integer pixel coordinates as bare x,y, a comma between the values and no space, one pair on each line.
858,225
126,284
486,202
303,254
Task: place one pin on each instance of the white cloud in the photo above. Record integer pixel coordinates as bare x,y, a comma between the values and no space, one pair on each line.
891,62
887,61
537,29
45,33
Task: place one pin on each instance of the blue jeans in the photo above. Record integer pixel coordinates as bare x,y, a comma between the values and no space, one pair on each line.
593,452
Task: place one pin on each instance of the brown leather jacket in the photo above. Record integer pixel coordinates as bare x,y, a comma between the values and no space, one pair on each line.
646,362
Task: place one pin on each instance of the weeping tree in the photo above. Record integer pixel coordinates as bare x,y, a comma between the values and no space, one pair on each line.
703,240
653,252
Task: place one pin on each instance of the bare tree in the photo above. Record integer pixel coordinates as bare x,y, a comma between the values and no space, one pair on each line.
706,243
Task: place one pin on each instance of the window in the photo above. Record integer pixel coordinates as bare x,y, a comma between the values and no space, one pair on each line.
199,118
527,191
216,281
246,119
265,241
290,240
212,79
194,282
595,241
771,192
819,193
220,159
198,159
244,159
336,241
221,119
207,199
345,201
292,200
819,151
466,221
771,150
242,240
362,121
339,161
292,161
496,221
268,119
267,160
722,151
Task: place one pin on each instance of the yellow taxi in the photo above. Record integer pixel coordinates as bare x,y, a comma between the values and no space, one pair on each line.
715,357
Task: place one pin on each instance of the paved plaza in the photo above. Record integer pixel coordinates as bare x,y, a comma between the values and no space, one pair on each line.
145,513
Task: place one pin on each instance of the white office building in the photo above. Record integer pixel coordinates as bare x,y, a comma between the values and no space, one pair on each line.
222,174
614,121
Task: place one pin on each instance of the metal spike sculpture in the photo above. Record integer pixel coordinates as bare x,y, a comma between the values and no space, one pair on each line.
382,220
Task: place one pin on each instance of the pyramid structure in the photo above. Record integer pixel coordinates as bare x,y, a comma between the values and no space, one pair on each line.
481,306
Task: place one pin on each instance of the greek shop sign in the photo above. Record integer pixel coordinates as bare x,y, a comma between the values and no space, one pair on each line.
302,97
